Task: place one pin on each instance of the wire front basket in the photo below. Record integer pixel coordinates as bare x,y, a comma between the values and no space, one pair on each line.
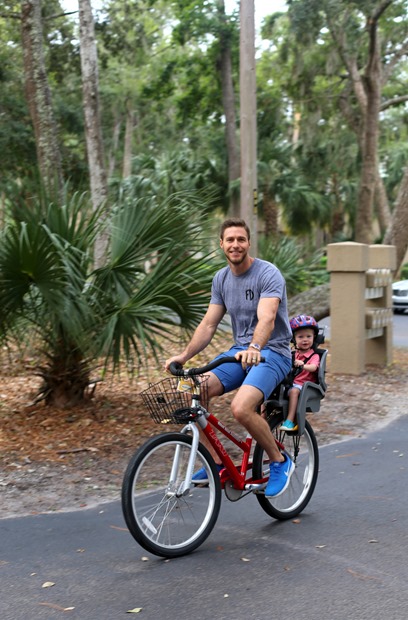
169,400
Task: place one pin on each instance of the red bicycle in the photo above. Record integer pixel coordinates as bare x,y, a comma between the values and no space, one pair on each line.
169,514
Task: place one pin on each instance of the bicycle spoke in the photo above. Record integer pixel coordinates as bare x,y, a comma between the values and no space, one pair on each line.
304,453
160,518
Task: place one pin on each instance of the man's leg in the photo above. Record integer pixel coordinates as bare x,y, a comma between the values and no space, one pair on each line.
215,389
244,409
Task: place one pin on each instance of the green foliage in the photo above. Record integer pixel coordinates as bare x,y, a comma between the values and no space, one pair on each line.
178,171
157,276
300,269
160,61
404,272
303,79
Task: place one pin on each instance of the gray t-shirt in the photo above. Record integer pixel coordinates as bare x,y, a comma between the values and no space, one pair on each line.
240,296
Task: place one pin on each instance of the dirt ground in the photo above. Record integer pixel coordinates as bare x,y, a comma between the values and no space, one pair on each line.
58,460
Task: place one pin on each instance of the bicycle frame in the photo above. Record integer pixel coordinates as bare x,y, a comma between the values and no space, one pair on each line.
237,474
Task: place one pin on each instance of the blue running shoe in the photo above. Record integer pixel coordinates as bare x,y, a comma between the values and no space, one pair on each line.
200,477
279,477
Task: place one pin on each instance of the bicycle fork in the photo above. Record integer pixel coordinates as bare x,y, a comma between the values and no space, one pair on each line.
184,487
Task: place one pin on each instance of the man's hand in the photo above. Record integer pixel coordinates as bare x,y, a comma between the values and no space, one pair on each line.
180,359
250,357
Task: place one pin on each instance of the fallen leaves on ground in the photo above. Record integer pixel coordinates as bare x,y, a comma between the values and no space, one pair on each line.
92,443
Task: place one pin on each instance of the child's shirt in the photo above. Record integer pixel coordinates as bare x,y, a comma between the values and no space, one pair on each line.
306,375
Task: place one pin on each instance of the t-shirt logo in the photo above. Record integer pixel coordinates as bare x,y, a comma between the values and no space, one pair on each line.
249,294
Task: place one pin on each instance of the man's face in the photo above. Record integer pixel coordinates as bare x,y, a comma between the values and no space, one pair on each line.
235,244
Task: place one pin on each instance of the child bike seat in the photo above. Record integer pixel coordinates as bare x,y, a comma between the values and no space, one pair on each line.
309,399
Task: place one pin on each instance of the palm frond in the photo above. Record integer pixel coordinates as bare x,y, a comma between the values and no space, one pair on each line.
295,264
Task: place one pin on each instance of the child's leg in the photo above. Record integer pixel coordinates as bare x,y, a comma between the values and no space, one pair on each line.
293,401
289,424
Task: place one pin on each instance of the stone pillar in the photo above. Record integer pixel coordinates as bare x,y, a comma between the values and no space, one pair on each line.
347,263
382,262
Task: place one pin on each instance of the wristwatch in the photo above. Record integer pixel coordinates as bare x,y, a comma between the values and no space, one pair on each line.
255,346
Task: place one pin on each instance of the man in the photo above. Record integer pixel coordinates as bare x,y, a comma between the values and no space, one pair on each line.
253,292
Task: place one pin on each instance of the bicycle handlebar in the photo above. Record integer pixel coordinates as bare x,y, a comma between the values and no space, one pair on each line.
177,369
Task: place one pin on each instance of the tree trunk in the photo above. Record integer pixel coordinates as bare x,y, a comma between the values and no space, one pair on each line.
127,152
369,171
93,132
228,101
115,142
381,205
247,119
338,219
397,231
297,117
270,213
65,378
38,97
367,92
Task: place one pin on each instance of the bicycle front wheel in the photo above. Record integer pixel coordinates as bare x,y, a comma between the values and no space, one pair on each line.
161,517
304,452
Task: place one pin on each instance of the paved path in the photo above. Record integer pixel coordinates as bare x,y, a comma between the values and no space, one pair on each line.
345,558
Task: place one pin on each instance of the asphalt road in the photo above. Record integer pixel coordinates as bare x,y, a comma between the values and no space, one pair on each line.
344,558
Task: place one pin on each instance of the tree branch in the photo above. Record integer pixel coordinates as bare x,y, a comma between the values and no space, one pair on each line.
393,102
339,40
372,26
376,14
12,15
18,15
60,15
389,66
350,62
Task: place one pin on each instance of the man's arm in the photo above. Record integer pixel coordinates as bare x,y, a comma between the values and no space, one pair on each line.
266,312
202,335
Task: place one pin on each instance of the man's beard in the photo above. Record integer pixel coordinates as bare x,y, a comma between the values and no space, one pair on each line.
238,260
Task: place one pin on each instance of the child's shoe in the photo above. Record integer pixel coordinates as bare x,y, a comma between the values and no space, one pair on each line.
288,425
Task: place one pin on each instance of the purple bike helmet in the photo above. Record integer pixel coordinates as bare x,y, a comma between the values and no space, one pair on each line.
303,320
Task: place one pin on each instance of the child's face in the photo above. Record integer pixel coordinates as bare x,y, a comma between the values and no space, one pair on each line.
304,338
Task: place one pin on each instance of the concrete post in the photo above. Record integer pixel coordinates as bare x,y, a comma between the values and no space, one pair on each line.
382,262
347,263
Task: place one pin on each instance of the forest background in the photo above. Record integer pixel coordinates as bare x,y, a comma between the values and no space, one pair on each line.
120,156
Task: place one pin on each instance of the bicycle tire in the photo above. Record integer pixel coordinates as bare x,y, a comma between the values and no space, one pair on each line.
159,519
304,452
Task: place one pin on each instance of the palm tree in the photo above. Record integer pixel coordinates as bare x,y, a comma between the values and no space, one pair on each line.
287,191
156,277
301,270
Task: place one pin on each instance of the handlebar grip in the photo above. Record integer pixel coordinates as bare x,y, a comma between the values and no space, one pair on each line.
176,369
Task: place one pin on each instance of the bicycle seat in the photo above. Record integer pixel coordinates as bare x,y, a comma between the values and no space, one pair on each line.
309,399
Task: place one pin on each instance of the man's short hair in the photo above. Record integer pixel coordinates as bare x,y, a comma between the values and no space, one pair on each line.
237,222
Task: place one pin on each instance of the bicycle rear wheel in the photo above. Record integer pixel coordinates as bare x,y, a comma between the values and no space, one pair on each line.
304,452
160,518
